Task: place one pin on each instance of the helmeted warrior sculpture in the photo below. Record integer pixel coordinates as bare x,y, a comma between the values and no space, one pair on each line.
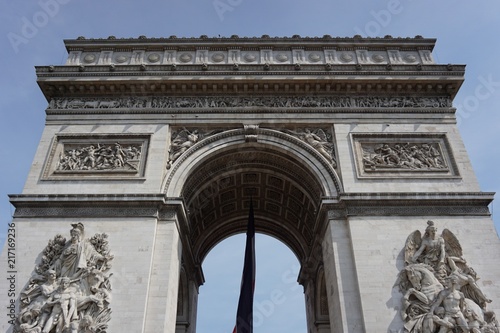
69,291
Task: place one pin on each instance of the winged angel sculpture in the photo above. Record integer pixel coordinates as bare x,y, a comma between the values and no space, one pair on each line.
439,287
184,139
318,139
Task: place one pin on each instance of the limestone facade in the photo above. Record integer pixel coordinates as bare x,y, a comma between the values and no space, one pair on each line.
347,145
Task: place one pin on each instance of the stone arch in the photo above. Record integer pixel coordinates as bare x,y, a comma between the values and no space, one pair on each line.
286,178
300,151
217,176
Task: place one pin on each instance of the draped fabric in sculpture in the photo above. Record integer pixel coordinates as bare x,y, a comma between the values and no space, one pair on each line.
69,291
440,289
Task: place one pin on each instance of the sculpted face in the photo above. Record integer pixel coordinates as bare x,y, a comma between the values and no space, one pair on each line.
65,283
51,275
414,278
75,234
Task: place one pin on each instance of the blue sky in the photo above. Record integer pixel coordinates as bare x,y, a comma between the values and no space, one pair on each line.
32,33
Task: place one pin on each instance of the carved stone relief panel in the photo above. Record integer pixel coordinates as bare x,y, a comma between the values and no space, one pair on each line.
105,156
321,139
183,138
186,102
69,289
397,155
440,287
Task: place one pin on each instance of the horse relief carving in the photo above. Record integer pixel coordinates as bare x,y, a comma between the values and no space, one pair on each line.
440,290
416,156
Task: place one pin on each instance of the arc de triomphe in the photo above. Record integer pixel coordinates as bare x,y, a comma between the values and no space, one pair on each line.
349,147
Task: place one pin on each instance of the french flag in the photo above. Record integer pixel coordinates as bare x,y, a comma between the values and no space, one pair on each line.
244,316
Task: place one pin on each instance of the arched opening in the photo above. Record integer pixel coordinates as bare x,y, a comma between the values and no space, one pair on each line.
287,181
277,293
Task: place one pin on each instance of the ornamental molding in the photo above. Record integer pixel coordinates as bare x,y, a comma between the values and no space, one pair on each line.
255,55
172,80
411,210
416,203
82,211
371,205
91,206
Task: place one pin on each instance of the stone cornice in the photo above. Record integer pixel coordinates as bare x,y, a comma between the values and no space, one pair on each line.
483,197
72,81
85,205
414,204
256,65
157,205
86,71
265,40
136,197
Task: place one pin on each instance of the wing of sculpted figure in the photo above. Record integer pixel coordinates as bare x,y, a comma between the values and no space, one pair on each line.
452,245
412,245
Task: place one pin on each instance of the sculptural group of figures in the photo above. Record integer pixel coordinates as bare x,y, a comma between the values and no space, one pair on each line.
184,139
440,289
167,102
99,157
69,291
403,155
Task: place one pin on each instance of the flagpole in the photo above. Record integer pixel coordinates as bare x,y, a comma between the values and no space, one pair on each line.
244,316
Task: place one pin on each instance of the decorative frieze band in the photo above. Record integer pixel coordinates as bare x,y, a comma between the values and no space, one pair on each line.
236,55
210,102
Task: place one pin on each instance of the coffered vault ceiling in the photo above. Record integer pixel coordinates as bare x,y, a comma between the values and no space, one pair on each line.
285,197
